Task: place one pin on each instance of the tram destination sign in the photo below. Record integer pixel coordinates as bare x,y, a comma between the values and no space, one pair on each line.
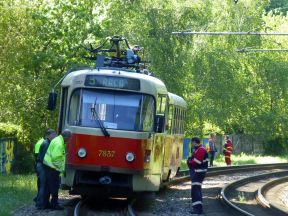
112,82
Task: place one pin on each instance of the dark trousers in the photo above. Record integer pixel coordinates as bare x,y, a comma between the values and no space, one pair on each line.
228,159
38,184
52,185
211,154
196,190
42,198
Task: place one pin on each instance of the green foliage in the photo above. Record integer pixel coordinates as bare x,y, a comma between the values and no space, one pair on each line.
234,92
244,159
11,130
276,146
23,155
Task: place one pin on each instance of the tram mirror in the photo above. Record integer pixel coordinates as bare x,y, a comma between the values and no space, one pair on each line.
159,124
52,100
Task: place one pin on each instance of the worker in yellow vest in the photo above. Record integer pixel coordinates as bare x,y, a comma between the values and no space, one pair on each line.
36,152
40,203
37,146
54,165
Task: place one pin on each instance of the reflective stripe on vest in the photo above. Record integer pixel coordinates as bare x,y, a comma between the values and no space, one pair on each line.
200,170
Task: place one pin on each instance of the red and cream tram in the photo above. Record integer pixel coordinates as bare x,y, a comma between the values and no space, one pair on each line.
127,131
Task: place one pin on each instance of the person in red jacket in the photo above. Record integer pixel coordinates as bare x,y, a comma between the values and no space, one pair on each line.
228,150
198,165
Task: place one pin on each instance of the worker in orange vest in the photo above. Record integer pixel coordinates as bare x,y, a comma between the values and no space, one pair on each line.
228,150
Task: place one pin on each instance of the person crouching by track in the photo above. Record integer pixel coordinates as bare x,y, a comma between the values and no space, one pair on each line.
198,165
228,150
211,148
41,202
54,161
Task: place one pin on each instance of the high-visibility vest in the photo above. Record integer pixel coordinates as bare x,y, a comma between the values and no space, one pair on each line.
211,145
55,155
37,145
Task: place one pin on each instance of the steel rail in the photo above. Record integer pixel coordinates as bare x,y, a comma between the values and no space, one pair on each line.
266,203
225,190
131,212
77,208
184,175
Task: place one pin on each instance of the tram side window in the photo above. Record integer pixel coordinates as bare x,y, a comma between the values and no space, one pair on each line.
181,121
174,122
161,104
160,113
177,120
170,119
148,113
74,108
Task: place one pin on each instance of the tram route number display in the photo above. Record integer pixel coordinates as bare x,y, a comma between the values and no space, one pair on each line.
112,82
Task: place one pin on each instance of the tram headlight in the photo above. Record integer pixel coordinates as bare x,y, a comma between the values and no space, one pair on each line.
130,157
82,153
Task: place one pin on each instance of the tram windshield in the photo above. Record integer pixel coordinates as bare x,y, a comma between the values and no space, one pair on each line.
113,109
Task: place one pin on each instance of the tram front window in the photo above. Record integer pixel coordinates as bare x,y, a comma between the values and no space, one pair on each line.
114,110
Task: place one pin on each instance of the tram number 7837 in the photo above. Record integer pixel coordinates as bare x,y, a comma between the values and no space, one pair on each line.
106,153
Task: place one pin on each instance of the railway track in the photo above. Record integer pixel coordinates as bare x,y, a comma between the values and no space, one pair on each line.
105,207
130,209
266,195
244,195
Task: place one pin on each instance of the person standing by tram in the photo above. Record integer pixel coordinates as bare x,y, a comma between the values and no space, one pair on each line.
36,152
228,150
54,161
211,148
198,165
41,203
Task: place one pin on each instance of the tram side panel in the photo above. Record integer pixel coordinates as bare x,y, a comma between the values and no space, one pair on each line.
151,180
173,156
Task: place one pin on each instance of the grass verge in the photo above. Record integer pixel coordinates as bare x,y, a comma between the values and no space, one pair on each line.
243,159
15,191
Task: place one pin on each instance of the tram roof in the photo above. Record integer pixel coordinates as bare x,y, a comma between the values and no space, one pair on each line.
149,84
176,100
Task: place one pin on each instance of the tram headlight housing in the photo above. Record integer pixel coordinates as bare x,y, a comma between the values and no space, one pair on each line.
82,153
130,156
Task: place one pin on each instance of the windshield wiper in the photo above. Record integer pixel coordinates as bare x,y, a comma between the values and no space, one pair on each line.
96,117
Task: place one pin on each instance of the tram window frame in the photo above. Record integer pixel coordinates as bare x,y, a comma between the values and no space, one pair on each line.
63,109
161,107
149,101
177,119
180,128
173,121
170,118
161,104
